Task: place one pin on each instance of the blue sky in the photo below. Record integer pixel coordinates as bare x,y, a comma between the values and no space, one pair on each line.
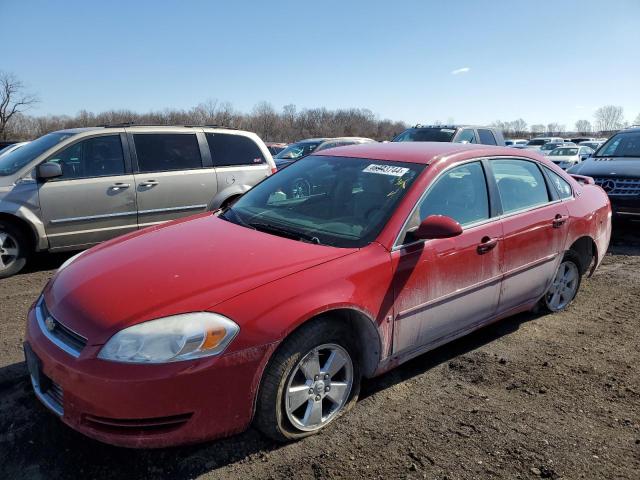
417,61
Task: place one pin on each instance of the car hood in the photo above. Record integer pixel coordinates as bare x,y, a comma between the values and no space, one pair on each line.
185,266
608,167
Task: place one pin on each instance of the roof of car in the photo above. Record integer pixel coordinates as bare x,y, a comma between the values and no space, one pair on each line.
422,152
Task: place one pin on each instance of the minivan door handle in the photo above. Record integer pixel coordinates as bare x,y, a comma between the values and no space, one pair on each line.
560,220
149,183
487,244
119,186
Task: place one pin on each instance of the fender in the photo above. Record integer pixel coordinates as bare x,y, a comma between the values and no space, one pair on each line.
24,213
230,191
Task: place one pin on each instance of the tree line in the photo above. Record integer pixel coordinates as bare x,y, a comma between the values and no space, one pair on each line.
287,125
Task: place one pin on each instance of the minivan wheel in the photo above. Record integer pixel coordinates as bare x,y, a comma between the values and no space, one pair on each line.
565,285
13,250
312,379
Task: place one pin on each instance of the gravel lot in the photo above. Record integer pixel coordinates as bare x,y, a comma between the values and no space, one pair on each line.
531,397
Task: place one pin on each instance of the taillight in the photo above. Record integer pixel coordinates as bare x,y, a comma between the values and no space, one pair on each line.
274,170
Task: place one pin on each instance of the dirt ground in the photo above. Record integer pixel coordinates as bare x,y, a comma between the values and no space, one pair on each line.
551,396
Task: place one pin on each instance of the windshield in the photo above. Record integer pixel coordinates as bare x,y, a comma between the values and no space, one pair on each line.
426,135
298,150
337,201
621,145
549,146
14,161
537,142
564,152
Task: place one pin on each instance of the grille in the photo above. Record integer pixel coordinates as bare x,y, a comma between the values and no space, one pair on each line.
619,186
59,333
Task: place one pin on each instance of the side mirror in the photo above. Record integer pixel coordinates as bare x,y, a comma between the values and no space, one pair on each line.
48,170
437,226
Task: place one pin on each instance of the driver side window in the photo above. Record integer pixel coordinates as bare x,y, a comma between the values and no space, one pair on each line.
95,157
461,193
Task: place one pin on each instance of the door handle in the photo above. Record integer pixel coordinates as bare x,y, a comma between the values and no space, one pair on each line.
119,186
149,183
560,220
487,244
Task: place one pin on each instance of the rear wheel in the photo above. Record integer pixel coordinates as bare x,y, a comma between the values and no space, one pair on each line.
565,285
14,249
312,379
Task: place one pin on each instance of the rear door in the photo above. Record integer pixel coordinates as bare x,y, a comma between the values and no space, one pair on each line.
535,230
174,176
94,199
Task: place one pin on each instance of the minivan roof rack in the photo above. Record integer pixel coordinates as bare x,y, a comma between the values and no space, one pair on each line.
134,124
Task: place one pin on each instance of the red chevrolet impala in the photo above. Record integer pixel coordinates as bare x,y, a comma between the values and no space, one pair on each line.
339,267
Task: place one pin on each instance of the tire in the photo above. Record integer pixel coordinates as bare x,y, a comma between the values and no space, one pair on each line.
563,290
289,371
14,249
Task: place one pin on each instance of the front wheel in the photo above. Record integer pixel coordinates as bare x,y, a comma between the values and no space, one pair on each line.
565,285
313,378
14,250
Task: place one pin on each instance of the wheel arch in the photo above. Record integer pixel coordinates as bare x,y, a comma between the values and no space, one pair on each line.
25,226
586,249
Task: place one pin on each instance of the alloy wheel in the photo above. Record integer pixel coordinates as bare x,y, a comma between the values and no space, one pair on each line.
9,250
319,387
564,286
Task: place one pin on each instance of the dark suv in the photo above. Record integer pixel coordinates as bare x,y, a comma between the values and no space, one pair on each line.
451,133
615,166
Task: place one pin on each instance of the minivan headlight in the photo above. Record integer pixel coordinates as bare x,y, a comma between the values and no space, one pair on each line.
171,339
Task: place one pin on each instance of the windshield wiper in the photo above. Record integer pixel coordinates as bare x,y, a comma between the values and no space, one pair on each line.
294,234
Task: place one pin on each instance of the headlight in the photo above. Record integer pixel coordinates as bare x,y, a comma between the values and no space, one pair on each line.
70,260
171,339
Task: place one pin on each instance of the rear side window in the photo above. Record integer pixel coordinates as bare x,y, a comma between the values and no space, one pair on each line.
520,183
486,137
160,152
560,184
460,193
228,150
95,157
466,136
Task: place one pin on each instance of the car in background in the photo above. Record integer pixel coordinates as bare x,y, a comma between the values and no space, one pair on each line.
538,142
578,140
72,189
10,148
568,156
549,146
593,144
615,166
452,133
515,142
275,147
303,148
272,310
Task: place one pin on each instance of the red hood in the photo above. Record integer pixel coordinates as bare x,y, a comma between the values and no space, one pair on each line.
186,266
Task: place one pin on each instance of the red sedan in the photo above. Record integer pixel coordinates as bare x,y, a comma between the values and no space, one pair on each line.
339,267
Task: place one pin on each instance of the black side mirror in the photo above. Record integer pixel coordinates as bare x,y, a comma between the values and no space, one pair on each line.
437,226
48,170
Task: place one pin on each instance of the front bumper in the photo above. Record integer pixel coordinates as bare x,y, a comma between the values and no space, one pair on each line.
625,207
147,406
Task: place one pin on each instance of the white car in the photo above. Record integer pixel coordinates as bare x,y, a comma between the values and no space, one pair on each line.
516,142
10,148
594,144
566,157
538,142
547,148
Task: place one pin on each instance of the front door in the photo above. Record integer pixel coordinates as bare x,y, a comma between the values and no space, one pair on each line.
94,199
444,287
172,180
535,231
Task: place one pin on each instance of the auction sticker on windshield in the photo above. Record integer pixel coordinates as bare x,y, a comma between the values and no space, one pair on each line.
386,170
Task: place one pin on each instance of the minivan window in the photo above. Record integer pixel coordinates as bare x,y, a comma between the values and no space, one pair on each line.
159,152
621,145
486,137
520,184
14,161
466,136
426,135
228,150
461,193
535,143
94,157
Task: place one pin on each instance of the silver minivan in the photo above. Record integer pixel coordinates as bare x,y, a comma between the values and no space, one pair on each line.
71,189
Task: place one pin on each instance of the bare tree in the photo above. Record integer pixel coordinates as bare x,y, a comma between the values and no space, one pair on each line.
537,128
583,127
554,128
637,120
13,100
609,118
